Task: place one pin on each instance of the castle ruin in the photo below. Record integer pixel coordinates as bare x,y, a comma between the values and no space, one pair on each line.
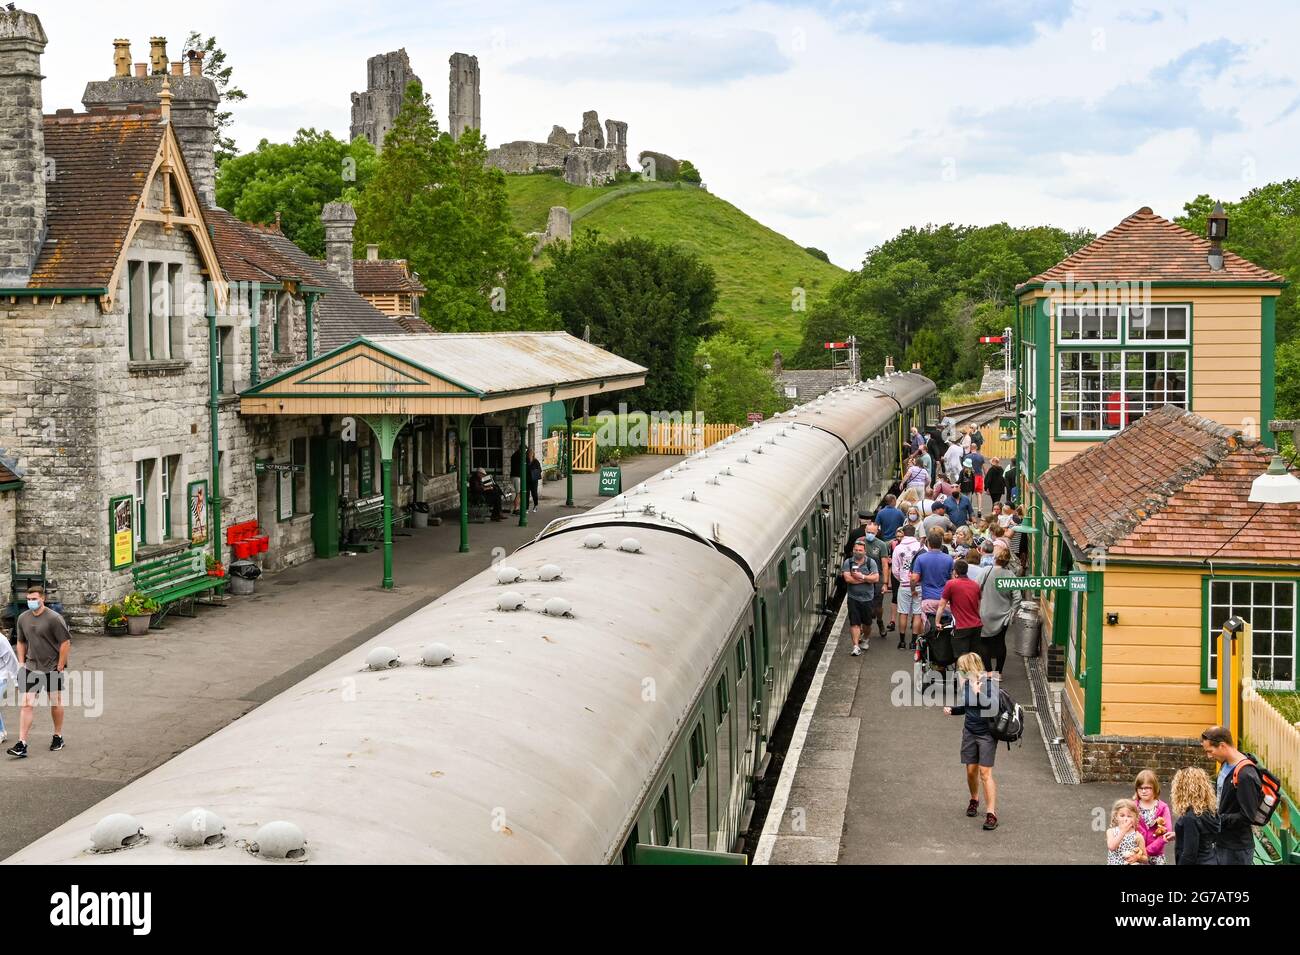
464,105
373,112
592,157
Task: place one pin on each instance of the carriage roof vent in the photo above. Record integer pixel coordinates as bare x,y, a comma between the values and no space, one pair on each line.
558,607
550,572
630,545
382,658
436,655
507,575
279,840
593,541
198,828
117,831
510,600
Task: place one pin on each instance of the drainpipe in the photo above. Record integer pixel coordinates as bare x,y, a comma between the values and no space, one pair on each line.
214,495
254,325
310,300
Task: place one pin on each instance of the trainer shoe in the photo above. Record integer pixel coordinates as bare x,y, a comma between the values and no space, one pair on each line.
56,744
990,821
18,750
866,643
857,652
973,809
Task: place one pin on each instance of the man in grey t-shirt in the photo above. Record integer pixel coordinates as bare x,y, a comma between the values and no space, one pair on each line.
862,575
44,644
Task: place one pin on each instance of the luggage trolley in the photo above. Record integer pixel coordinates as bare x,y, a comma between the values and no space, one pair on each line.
23,579
935,657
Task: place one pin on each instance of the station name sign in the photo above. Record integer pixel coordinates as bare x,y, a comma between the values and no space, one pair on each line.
1076,582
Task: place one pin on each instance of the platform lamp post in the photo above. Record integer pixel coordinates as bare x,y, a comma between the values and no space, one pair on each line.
1027,527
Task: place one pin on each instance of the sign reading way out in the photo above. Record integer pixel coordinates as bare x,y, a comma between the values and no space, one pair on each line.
1076,581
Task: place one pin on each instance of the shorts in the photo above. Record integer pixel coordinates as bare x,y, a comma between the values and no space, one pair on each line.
861,612
965,639
908,602
979,484
33,681
977,749
930,606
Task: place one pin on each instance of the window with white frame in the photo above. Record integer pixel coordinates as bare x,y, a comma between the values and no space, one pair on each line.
1030,391
1101,390
1269,606
143,474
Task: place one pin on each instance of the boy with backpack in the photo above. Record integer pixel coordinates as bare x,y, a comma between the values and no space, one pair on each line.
1248,794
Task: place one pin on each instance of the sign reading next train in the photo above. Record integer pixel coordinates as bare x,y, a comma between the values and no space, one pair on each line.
1075,581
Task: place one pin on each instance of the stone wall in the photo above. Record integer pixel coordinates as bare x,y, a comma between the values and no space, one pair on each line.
521,157
586,166
1118,759
373,111
8,524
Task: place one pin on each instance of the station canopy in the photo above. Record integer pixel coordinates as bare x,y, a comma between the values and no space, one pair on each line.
444,374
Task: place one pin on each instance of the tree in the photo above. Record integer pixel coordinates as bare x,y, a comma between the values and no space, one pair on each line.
296,180
816,253
736,382
215,69
687,172
648,301
433,202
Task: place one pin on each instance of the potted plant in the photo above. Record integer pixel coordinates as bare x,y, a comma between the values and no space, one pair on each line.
115,621
139,609
215,567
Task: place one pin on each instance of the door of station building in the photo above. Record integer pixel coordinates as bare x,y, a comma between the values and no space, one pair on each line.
326,458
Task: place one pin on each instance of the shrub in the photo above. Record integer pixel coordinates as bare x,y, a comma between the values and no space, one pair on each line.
136,604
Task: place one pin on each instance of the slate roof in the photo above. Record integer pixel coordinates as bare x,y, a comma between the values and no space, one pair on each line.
384,276
811,382
100,164
245,253
1171,486
1146,247
341,314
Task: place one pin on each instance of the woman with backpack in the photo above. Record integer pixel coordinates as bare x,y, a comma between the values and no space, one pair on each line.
978,747
996,609
1155,822
1197,823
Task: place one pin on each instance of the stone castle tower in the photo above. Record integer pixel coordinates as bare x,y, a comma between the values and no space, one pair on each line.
464,105
373,112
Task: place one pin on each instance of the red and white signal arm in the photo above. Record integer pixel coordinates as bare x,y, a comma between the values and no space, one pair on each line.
992,340
836,345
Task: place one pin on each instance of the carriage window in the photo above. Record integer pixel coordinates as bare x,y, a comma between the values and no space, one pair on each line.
742,661
665,818
721,699
698,753
782,576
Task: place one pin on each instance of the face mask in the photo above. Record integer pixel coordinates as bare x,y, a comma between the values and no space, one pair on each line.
33,605
986,560
870,536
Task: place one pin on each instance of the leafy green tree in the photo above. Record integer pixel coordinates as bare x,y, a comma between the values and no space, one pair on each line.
215,69
816,253
736,381
433,202
687,172
296,180
648,301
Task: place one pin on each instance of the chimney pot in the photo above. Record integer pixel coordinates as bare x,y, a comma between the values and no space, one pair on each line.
121,57
158,55
196,62
372,252
142,69
178,68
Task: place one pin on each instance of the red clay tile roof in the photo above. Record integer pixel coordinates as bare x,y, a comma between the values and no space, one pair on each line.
100,163
414,324
1147,248
7,476
245,253
380,276
1172,485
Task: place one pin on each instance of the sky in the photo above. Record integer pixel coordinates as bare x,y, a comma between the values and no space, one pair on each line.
835,123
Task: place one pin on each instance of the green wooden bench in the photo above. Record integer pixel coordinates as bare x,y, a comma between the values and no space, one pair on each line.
175,580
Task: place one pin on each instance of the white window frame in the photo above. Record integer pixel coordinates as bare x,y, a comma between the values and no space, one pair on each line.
1061,318
1130,338
141,494
1245,611
1126,404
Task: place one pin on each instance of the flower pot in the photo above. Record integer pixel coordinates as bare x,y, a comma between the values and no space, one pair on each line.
138,626
115,629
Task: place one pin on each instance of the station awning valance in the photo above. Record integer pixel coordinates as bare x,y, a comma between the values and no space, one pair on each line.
444,374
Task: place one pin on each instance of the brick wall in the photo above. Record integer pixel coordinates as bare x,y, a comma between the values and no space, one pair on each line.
1121,758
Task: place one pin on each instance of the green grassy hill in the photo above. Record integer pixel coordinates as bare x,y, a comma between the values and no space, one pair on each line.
757,268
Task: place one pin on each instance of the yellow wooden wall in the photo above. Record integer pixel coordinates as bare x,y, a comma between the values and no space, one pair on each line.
1225,360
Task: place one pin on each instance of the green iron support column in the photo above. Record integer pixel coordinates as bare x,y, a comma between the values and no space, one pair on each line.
570,404
214,453
386,428
462,479
523,467
255,333
309,300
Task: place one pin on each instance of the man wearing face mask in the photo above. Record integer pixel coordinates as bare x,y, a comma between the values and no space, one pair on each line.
878,550
44,644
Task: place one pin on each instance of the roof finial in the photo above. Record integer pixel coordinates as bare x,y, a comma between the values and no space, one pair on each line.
165,97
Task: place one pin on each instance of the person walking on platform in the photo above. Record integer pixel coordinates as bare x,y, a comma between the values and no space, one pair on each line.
916,476
996,608
861,574
1240,795
1196,826
963,595
978,747
907,588
878,551
916,441
855,535
534,479
934,567
44,645
8,676
995,484
890,518
952,462
938,520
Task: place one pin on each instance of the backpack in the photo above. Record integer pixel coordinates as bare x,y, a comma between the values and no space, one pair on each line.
1269,789
1009,724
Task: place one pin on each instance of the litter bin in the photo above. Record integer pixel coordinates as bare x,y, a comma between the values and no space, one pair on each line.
1026,627
242,575
420,514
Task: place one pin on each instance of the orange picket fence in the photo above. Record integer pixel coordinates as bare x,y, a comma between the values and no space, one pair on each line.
684,438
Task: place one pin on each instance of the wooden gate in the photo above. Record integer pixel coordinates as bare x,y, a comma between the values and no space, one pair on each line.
584,453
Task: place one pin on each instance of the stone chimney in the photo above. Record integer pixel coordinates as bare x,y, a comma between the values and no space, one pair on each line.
22,146
193,107
372,252
338,219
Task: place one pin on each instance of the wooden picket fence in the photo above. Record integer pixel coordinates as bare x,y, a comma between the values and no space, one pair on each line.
1270,737
682,439
994,446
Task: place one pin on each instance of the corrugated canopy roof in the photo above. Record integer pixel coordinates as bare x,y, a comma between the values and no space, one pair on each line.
464,373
